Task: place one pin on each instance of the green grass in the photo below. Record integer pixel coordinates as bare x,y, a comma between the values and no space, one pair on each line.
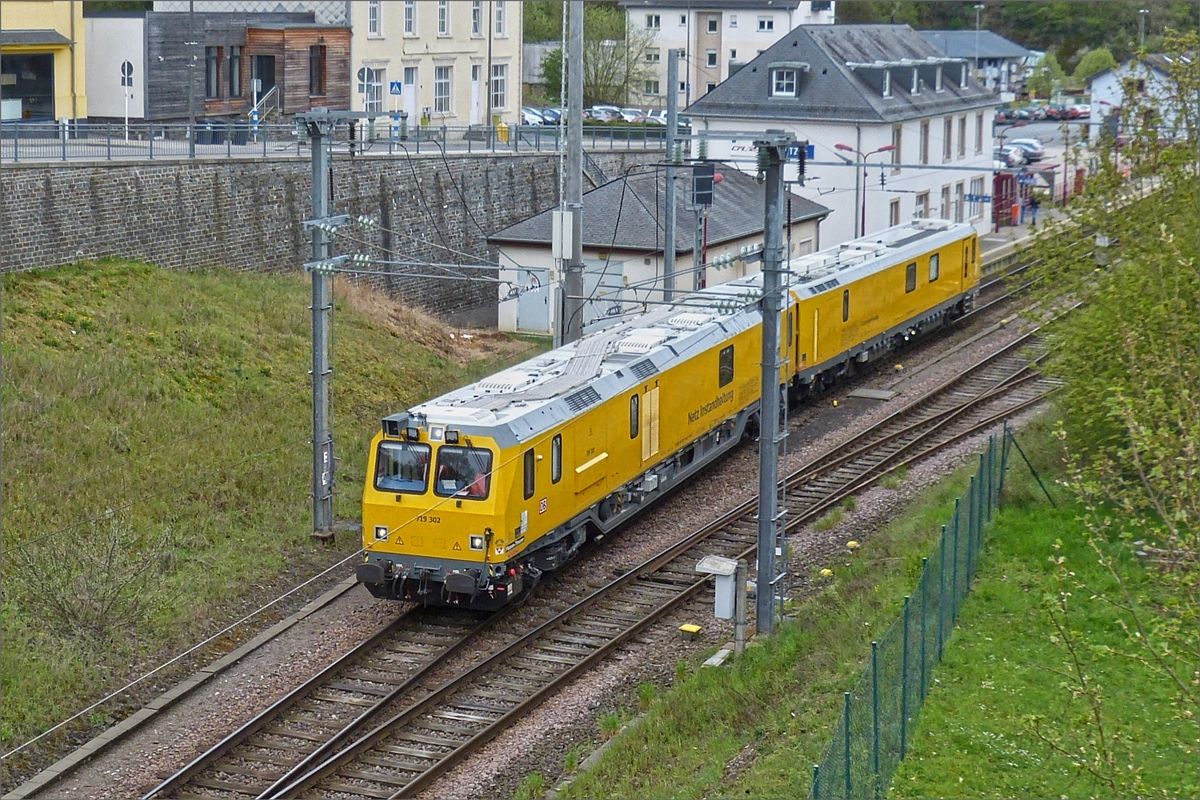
171,411
779,705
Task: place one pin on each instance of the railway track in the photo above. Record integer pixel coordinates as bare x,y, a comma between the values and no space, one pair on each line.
407,752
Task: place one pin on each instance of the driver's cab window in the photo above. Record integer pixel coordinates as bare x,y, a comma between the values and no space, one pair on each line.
463,472
402,467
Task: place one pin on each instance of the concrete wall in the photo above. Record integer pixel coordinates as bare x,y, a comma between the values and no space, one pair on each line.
246,214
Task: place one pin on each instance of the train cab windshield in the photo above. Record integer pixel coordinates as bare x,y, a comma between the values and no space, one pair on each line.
463,472
402,467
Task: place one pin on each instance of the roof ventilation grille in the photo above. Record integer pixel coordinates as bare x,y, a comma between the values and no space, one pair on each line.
585,397
643,369
506,383
689,321
642,341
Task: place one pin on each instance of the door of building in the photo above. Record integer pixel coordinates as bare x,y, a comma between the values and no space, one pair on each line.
476,110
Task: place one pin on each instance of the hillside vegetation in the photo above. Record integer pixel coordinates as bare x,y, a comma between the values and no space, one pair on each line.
156,472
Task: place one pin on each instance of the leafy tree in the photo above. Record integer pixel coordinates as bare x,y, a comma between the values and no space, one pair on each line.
1129,358
1093,62
542,21
1047,77
614,57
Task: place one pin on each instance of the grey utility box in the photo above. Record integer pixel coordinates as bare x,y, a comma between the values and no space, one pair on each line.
725,571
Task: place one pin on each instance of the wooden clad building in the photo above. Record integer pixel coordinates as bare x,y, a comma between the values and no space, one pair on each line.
312,64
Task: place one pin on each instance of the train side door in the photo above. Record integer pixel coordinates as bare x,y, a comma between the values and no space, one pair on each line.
650,418
966,261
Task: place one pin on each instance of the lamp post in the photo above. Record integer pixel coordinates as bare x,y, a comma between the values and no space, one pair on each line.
1142,12
1004,132
978,12
860,197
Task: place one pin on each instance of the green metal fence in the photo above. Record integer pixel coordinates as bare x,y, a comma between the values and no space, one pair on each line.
879,714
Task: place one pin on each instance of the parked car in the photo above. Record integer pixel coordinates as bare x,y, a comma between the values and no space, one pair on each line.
1081,111
1036,111
601,114
630,114
551,115
1056,112
531,116
1008,155
1033,149
646,119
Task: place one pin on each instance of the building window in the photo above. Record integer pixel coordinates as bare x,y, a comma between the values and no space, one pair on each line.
958,201
683,20
556,459
499,86
653,56
887,83
922,209
712,24
979,133
976,191
935,261
938,85
896,141
910,278
725,367
712,58
733,55
708,87
235,72
894,213
783,83
499,17
845,305
766,24
683,86
923,148
443,18
477,18
633,416
410,18
962,74
530,472
441,89
916,81
962,136
375,19
733,20
410,81
316,70
373,91
817,6
212,72
947,138
651,87
945,202
653,22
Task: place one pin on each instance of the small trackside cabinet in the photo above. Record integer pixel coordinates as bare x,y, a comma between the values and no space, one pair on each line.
725,572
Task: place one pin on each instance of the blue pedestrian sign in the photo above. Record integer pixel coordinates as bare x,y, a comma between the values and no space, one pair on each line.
394,87
979,198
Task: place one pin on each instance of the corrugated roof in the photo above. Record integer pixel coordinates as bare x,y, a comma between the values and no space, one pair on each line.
634,209
33,36
965,44
833,91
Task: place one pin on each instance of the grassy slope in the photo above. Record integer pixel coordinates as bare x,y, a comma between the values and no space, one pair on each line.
756,729
176,408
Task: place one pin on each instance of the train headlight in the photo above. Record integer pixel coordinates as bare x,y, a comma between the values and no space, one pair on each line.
477,542
381,533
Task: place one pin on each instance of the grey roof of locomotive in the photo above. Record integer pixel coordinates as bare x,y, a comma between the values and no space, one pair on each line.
537,395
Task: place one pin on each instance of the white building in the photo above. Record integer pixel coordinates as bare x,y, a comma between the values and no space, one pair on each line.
623,247
717,38
875,95
449,62
1148,78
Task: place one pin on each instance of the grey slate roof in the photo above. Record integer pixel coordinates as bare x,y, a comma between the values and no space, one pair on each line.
831,91
1159,62
33,36
635,211
962,44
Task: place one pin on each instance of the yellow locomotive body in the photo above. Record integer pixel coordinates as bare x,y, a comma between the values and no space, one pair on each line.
470,497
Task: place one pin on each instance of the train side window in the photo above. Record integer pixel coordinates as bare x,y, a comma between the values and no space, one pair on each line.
556,459
633,416
530,472
973,243
935,265
910,278
725,367
845,305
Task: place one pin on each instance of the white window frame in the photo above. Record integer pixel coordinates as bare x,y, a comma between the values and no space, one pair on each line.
712,58
733,54
500,18
923,143
653,55
477,18
375,18
733,20
443,17
960,193
916,82
714,25
939,84
978,132
373,94
499,86
887,83
962,74
947,138
784,82
443,88
962,136
977,190
653,22
683,20
651,87
410,18
766,24
898,143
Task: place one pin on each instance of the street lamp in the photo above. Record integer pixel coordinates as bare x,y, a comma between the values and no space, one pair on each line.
862,180
1142,12
978,11
1004,131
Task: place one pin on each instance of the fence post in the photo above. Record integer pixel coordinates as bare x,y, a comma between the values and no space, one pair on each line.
875,713
904,685
16,142
954,574
108,140
924,618
942,595
63,139
972,523
1003,458
846,725
816,787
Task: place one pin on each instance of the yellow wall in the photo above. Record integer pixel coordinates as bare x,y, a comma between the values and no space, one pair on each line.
65,17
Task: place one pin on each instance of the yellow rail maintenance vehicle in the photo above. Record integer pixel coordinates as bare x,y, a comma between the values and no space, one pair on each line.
472,496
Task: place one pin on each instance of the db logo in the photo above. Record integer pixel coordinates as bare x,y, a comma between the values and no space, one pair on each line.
542,506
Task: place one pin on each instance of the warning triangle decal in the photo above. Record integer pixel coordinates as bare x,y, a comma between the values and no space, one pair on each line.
457,546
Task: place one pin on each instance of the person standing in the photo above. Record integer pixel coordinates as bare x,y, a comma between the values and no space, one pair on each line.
1034,203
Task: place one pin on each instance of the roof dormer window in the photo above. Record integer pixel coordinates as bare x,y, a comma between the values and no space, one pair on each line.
962,75
937,81
783,83
916,82
887,83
